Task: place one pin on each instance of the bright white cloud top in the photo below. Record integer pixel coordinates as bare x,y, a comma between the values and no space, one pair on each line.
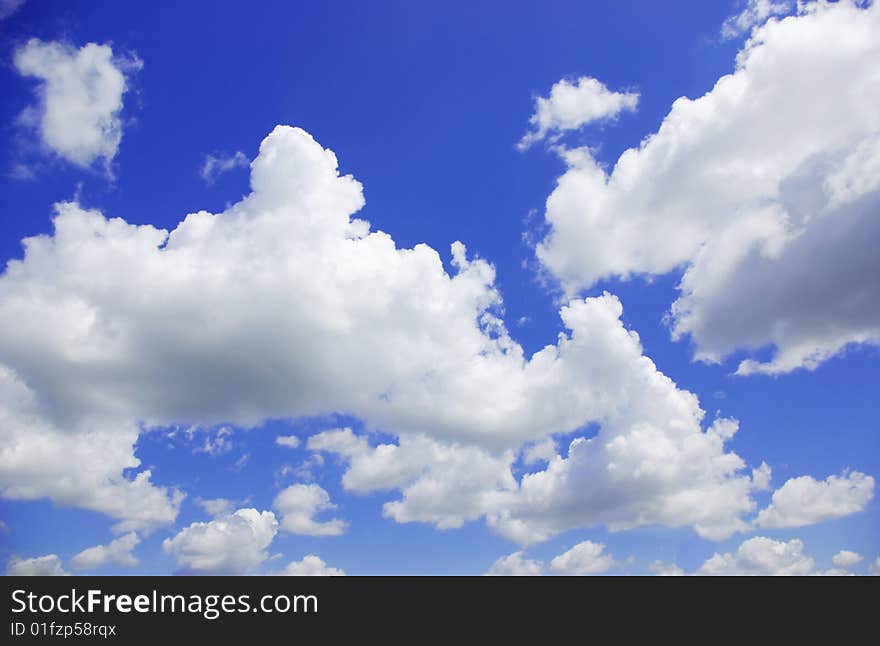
80,97
755,12
516,564
805,501
584,558
759,190
206,325
572,105
761,556
231,544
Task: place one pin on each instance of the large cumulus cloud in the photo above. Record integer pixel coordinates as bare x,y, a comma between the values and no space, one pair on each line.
286,305
764,190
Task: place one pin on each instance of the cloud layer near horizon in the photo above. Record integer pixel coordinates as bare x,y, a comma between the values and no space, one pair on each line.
272,308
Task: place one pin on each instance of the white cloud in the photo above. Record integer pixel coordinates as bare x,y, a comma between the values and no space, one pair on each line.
216,506
572,105
659,568
875,567
219,163
298,506
76,464
311,565
80,97
755,12
805,501
515,565
584,558
49,565
289,441
116,552
759,190
846,558
761,556
233,544
270,310
634,474
445,484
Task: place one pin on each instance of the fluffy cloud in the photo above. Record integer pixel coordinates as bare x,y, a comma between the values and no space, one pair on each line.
446,484
80,97
846,558
515,565
761,556
805,501
759,189
875,567
572,105
219,163
638,474
233,544
117,552
755,12
659,568
311,565
298,506
584,558
650,463
271,309
216,506
9,7
49,565
216,443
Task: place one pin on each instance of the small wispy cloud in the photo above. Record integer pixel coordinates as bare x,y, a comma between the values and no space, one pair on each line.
219,163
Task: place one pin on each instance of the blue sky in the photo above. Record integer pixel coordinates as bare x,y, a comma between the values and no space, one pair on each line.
189,356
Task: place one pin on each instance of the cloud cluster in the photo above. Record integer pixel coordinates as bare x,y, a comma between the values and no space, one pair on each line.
572,105
806,501
272,309
80,97
846,558
764,190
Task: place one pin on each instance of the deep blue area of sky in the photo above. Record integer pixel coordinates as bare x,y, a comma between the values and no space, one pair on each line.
423,102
